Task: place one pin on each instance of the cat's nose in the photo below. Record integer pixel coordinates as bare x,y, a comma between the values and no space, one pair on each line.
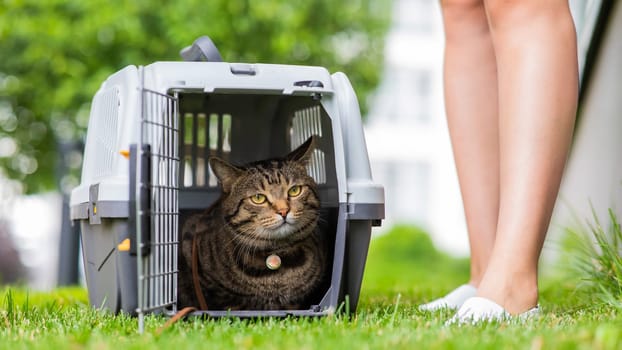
281,207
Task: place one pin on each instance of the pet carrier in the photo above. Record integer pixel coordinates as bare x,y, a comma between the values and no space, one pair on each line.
150,133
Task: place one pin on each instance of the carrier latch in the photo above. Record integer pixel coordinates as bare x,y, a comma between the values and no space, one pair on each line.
309,83
94,218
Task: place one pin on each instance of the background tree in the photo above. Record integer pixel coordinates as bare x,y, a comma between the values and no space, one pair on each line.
54,54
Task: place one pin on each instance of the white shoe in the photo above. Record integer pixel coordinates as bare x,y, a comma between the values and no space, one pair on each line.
478,309
453,300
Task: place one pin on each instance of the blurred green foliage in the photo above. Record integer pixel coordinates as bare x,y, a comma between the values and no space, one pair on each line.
54,54
404,260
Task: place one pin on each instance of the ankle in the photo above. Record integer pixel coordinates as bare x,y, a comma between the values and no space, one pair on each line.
476,275
474,282
515,294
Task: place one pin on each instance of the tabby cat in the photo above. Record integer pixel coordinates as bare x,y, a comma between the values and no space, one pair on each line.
258,246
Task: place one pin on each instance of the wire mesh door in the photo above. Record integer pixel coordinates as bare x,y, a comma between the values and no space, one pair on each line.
157,228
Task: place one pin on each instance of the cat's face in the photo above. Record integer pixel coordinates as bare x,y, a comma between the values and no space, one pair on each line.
270,200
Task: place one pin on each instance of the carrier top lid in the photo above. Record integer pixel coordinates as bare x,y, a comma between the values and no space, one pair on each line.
225,77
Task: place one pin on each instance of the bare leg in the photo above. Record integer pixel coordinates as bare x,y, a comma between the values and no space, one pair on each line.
535,48
470,77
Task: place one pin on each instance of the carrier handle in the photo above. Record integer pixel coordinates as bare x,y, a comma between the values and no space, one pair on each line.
201,50
141,178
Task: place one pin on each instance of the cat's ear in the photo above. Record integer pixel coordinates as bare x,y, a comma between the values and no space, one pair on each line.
303,152
225,172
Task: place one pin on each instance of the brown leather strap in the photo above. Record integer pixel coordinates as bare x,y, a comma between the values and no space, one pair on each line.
195,274
181,313
197,290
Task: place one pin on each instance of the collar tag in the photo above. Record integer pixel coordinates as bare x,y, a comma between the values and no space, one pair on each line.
273,262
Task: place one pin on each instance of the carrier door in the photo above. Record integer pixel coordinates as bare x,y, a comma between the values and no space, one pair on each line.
155,202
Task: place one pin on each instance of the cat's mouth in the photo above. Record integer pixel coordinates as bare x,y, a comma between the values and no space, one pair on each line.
283,222
281,231
282,228
289,220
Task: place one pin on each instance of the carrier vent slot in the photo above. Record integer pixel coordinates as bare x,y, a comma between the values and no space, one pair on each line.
105,120
306,123
203,135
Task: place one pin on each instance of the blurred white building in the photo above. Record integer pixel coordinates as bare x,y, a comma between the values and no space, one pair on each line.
406,130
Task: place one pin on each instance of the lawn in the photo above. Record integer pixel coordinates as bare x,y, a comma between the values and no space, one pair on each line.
403,270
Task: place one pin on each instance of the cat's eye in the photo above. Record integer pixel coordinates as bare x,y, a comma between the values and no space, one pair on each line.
294,191
258,198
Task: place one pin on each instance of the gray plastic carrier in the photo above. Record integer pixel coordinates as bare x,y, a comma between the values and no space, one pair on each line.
150,132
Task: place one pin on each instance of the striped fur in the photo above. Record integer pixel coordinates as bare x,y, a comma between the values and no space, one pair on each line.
236,235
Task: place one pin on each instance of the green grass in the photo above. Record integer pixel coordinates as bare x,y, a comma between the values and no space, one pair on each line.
403,271
599,258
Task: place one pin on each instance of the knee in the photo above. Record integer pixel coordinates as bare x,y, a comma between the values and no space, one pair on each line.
461,17
461,4
517,12
455,9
